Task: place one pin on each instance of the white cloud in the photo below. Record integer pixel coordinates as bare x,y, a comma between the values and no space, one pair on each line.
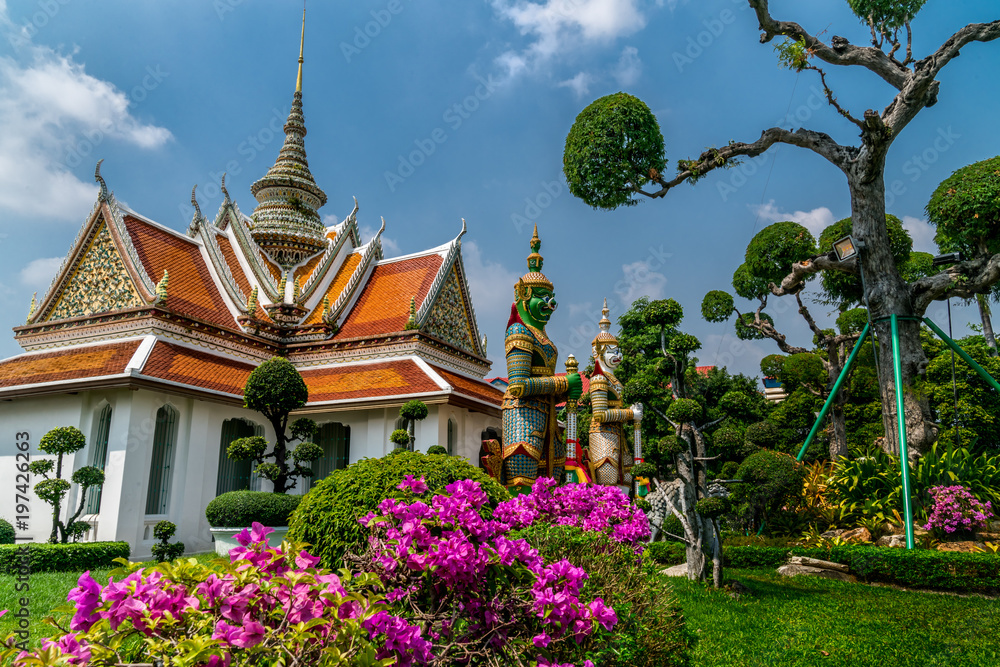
54,115
37,275
922,234
739,356
389,246
815,220
579,84
577,309
491,284
629,67
639,280
555,26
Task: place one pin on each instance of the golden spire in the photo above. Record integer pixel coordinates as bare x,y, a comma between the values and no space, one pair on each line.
302,45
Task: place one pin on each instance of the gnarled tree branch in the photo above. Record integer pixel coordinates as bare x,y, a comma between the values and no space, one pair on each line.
964,280
795,281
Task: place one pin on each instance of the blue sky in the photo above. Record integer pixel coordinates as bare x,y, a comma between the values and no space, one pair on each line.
429,112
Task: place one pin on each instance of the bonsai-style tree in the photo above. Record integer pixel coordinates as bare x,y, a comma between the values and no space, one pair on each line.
687,410
769,257
59,442
412,411
965,208
613,156
275,389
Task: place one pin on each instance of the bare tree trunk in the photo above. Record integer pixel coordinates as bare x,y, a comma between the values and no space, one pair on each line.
838,430
716,555
887,294
694,527
985,315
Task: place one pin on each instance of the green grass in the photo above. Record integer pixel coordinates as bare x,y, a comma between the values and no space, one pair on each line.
48,590
793,621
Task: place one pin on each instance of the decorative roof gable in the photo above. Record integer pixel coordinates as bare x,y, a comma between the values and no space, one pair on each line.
99,283
449,317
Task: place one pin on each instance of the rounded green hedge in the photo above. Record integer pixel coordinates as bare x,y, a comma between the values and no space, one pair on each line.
328,516
239,509
6,532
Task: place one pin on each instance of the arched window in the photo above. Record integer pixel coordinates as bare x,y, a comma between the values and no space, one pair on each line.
164,439
452,436
335,439
99,455
235,475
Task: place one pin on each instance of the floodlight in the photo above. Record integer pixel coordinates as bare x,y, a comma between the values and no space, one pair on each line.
845,248
950,258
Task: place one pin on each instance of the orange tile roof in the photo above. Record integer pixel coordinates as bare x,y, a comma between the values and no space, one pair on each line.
71,364
384,305
275,271
241,278
390,378
304,272
470,387
196,369
344,274
191,290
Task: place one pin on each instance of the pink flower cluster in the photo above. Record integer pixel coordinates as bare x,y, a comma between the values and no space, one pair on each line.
596,508
445,559
263,597
956,509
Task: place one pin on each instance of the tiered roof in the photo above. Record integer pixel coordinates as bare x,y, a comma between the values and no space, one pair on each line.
209,305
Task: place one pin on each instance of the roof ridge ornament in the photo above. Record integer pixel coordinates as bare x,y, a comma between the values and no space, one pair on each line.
103,196
196,220
224,190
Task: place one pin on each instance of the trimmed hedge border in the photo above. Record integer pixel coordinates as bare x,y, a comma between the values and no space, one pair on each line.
920,568
76,557
239,509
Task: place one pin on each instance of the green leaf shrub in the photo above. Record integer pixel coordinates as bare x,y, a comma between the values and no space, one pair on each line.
414,410
437,449
328,516
163,551
666,553
239,509
6,532
770,479
400,437
76,557
650,630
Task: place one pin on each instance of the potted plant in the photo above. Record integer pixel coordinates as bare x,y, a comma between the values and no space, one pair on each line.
231,512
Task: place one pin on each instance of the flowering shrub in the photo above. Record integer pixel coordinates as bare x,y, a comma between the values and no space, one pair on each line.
956,509
263,607
477,592
594,508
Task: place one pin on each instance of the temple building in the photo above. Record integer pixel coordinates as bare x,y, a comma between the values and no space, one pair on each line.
147,335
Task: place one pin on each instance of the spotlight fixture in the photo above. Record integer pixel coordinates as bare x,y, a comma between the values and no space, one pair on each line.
845,248
949,258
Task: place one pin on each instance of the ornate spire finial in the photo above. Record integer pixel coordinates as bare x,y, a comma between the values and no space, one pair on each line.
224,190
252,301
286,223
161,288
411,323
534,277
534,259
302,46
605,323
103,196
34,305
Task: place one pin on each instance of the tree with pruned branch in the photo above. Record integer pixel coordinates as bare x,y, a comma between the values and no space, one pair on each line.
614,155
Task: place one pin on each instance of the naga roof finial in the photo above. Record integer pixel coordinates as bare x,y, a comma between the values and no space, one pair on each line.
33,307
462,233
161,288
103,196
224,190
197,218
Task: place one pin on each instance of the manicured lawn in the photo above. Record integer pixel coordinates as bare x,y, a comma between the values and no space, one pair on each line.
806,621
48,591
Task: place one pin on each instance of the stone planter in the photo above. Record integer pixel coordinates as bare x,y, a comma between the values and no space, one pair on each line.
225,538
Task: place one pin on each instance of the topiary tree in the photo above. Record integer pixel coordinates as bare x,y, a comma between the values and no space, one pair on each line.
437,449
6,532
412,411
275,389
58,442
609,176
327,517
401,438
770,480
965,208
240,509
164,551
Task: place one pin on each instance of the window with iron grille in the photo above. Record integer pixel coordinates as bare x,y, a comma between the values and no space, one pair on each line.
164,442
236,475
335,439
99,456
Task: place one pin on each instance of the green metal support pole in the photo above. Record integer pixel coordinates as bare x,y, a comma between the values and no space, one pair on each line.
983,373
904,460
833,393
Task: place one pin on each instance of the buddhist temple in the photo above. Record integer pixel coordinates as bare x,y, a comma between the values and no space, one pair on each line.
147,335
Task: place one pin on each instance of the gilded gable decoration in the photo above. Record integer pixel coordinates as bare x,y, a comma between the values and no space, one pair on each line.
448,318
161,288
100,283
